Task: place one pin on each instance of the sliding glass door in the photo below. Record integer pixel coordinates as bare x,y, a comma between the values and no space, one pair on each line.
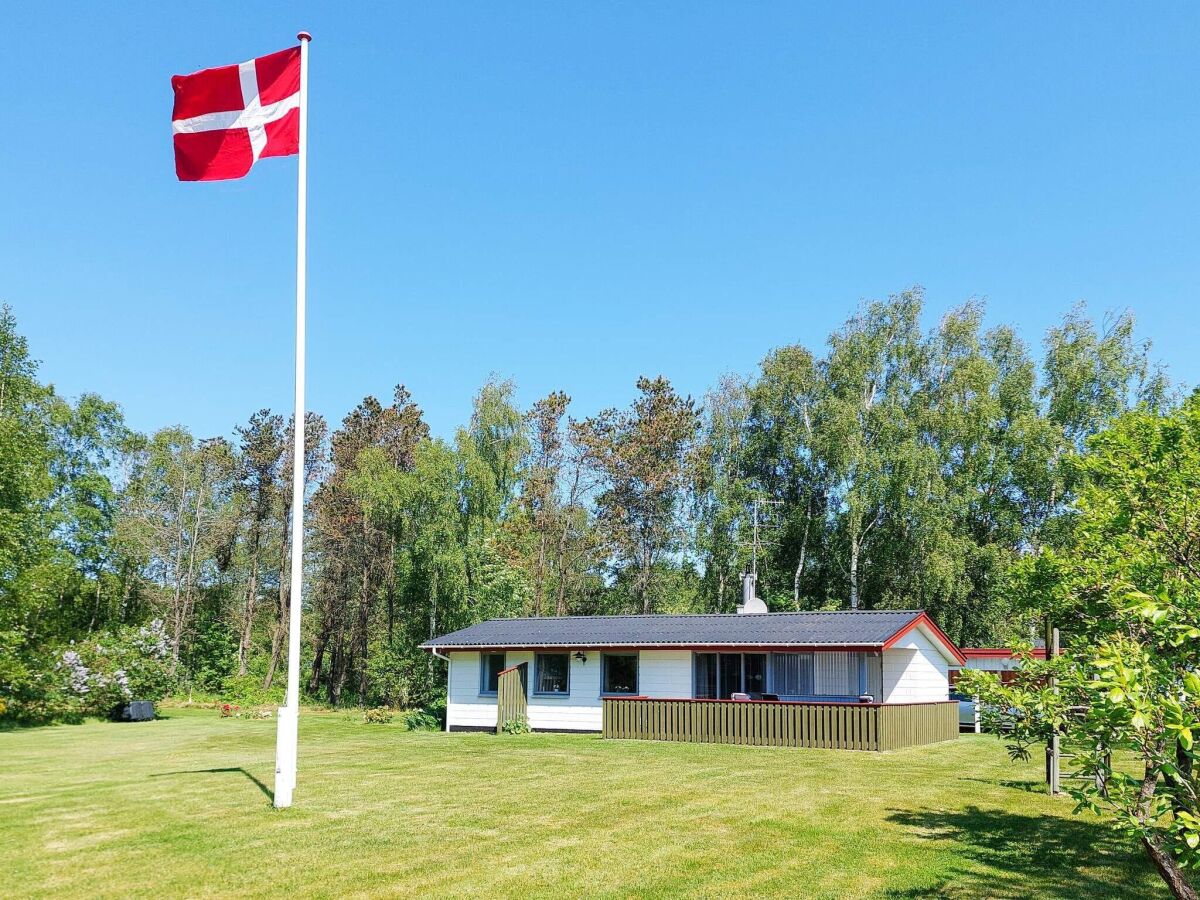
721,675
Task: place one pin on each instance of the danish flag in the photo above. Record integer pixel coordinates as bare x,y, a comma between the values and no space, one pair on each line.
228,118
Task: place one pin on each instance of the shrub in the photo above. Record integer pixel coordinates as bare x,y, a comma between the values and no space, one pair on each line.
421,720
248,691
97,676
379,715
437,708
515,726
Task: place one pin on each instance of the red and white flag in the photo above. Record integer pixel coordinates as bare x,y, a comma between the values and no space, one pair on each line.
228,118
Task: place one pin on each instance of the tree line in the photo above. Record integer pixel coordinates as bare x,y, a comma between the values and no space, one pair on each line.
894,467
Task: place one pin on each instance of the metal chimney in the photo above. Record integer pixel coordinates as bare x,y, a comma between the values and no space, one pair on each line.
750,603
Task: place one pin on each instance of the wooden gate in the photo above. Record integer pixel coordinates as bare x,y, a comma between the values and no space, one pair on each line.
511,703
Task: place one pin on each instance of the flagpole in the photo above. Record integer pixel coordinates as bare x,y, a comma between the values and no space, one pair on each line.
287,733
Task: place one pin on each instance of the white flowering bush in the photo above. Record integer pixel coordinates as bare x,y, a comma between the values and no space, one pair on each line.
97,676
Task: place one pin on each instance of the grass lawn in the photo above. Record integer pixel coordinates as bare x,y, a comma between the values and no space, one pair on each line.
181,807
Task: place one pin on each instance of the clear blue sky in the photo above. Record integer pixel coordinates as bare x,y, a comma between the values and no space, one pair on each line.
573,194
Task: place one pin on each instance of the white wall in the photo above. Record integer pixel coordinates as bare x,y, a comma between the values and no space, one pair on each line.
464,707
665,673
661,673
915,671
580,709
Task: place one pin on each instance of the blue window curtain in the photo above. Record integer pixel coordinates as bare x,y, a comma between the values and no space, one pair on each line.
792,674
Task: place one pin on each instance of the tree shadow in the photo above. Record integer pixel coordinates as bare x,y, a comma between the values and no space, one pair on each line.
270,795
1029,856
1025,785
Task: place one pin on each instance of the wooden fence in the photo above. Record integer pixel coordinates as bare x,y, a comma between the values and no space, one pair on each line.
511,703
834,726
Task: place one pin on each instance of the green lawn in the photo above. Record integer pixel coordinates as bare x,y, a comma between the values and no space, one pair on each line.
181,807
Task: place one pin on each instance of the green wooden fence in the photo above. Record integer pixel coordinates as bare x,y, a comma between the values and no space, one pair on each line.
511,703
833,726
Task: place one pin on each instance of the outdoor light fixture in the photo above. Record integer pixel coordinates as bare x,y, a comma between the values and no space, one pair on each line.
581,656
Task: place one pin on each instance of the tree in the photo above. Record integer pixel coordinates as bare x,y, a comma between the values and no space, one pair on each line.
489,453
258,489
356,548
639,457
1126,591
315,432
177,517
784,461
556,543
721,490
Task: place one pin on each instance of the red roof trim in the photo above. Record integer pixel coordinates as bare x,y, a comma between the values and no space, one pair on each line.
924,619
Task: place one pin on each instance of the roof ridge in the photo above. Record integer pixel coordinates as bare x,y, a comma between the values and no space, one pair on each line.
798,612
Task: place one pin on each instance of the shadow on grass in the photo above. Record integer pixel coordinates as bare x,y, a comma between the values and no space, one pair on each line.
1029,856
270,795
1026,786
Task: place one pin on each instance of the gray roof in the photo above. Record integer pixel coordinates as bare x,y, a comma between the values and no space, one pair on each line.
858,628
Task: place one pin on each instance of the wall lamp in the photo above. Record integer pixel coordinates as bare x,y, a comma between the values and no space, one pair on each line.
581,656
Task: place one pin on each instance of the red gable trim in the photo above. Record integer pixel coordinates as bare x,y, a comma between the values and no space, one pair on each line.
923,619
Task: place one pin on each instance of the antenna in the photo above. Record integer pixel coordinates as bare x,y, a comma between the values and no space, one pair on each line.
750,601
757,503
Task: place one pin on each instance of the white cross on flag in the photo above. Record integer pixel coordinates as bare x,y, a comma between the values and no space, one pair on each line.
226,119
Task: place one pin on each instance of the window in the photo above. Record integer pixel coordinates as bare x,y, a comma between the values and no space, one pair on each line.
755,667
553,674
490,667
792,674
731,675
719,675
620,673
706,675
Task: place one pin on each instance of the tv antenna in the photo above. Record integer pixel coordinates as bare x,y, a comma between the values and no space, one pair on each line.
757,524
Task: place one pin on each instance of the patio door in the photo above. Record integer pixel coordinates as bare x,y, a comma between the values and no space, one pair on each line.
731,674
721,675
755,671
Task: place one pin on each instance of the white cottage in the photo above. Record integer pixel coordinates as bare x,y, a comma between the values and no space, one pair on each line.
572,664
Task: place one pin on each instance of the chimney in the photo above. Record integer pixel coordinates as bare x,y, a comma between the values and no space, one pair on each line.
750,603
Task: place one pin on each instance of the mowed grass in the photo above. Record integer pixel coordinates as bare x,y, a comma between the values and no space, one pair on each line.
181,807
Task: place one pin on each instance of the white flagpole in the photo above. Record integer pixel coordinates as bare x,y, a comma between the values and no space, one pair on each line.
287,734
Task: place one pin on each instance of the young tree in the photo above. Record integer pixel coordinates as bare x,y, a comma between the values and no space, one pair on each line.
1126,593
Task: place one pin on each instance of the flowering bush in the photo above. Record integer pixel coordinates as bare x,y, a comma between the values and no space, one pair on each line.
379,716
99,675
233,711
